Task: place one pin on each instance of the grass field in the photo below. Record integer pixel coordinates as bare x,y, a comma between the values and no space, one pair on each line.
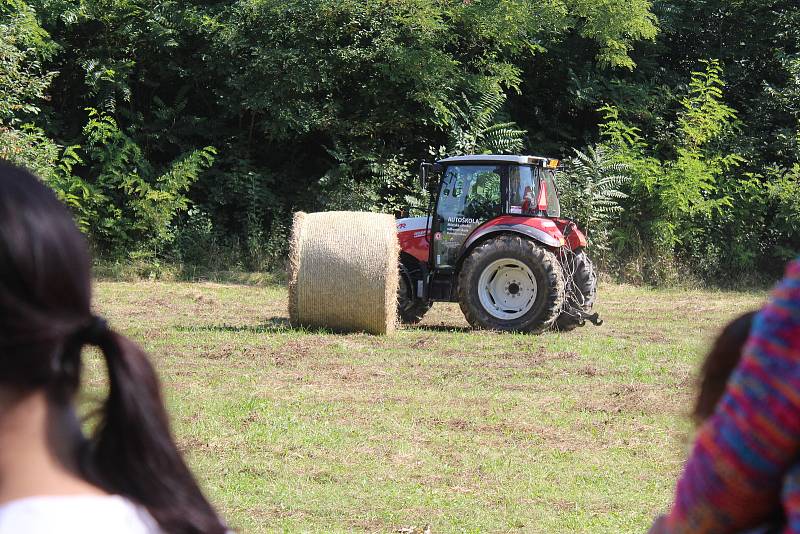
464,431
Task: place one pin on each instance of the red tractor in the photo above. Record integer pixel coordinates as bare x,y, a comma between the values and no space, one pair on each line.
495,242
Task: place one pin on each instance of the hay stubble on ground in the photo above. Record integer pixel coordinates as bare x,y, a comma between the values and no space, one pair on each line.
465,431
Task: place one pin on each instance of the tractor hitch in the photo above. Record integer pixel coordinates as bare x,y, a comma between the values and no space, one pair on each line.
593,318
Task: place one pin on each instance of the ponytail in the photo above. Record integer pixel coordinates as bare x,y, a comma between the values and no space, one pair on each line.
45,321
132,452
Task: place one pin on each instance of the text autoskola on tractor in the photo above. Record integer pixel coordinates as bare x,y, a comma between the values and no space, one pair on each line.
494,241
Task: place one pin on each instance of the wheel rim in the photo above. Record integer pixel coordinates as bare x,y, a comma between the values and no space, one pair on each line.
507,289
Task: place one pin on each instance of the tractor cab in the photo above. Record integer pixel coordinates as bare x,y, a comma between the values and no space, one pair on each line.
481,206
473,190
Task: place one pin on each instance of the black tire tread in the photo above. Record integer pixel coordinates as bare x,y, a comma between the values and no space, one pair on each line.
413,313
586,282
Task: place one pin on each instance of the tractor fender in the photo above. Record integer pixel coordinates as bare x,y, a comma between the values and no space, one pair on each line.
539,229
572,234
577,239
413,233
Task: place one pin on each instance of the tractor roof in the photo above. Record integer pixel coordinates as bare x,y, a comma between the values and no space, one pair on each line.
502,158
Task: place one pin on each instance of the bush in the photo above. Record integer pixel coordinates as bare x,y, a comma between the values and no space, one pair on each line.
589,193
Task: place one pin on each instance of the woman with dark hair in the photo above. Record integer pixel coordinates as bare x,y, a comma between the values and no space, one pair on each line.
128,476
719,364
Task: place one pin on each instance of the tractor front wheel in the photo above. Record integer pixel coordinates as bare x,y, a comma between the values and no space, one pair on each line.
511,283
410,309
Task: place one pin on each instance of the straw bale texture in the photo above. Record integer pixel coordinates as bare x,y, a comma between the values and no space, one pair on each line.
343,271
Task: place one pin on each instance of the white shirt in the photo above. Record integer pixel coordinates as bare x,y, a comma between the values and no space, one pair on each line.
79,514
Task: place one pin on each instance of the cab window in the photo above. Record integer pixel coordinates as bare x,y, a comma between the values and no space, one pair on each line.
553,205
521,190
470,191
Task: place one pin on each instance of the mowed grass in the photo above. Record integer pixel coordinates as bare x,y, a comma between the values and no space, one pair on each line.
465,431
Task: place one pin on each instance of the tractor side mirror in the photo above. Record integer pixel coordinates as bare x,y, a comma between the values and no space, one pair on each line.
423,175
425,171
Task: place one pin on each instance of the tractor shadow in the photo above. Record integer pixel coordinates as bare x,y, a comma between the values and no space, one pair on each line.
439,328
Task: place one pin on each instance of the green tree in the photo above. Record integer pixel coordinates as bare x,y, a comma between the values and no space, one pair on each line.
24,82
473,128
590,193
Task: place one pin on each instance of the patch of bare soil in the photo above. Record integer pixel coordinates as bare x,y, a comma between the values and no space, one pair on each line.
206,300
158,302
293,351
590,371
563,505
638,335
425,529
372,525
195,444
217,352
629,398
424,342
524,359
189,444
275,512
515,431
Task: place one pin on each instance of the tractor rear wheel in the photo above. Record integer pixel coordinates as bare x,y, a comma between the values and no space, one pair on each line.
511,283
581,290
410,309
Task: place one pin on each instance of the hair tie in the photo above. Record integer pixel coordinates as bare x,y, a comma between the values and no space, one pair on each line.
94,332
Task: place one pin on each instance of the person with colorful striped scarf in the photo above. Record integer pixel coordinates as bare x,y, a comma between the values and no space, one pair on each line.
746,457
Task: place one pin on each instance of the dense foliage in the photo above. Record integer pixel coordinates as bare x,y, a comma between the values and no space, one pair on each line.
189,131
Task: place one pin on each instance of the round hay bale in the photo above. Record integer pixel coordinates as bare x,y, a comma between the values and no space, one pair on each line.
343,271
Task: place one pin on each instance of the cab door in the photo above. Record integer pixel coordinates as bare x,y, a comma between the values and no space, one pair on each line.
469,196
